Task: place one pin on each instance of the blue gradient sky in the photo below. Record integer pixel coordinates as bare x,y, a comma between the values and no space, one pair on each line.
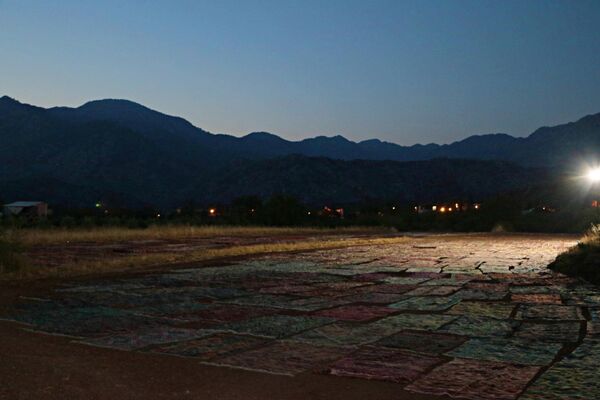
403,71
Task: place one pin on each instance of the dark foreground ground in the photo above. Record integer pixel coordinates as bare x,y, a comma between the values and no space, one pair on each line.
476,317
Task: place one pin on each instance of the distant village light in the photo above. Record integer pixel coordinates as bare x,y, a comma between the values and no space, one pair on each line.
455,207
212,211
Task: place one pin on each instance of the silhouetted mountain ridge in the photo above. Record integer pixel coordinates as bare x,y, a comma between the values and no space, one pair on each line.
134,152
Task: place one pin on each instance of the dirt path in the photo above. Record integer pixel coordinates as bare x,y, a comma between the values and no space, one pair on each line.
38,366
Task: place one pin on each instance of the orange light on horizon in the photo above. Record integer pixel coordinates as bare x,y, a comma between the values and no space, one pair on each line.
212,211
443,209
434,208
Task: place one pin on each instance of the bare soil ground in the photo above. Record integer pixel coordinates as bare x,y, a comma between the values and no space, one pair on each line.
48,367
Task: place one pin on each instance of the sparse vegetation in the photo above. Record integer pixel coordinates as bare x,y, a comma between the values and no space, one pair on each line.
543,209
11,257
147,261
582,260
101,239
36,236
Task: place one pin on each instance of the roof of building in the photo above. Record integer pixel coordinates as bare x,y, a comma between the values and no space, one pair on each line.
24,204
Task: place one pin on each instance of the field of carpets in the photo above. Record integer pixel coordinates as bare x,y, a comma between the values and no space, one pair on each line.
473,318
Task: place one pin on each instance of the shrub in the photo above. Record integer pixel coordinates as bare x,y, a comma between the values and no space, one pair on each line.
11,259
88,222
582,260
68,222
593,235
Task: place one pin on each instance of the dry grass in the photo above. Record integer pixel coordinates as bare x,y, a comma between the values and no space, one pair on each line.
592,236
30,237
11,257
153,261
583,260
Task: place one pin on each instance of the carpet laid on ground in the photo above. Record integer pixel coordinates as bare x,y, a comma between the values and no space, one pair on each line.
433,325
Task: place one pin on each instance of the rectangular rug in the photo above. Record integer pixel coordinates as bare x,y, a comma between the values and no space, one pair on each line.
384,364
475,380
286,358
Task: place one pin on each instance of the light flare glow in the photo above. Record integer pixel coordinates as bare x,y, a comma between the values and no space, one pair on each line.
593,175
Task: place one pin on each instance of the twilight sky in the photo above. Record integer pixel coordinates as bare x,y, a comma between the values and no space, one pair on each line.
404,71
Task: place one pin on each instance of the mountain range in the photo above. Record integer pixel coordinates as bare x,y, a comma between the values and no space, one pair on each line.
130,155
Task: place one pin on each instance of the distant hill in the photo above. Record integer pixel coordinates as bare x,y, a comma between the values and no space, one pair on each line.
327,181
139,155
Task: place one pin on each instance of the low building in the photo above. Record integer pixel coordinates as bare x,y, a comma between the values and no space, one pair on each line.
26,209
332,212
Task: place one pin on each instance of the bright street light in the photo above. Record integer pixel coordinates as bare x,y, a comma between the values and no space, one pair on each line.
594,175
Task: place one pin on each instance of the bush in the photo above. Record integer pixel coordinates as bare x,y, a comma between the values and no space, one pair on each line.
583,260
88,222
593,235
68,222
11,259
283,210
